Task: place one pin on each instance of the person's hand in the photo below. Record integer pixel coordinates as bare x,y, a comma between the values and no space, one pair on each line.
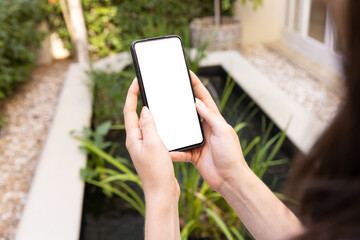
148,153
220,158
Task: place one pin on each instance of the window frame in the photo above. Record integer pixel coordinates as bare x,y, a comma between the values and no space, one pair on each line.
322,53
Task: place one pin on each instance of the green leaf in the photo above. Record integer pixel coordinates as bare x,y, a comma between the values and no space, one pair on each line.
278,162
189,227
277,147
251,145
227,92
236,233
120,177
86,173
107,192
220,223
117,127
131,201
103,128
240,126
90,146
285,198
87,132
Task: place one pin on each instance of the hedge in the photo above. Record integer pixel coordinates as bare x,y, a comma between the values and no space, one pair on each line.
18,39
113,24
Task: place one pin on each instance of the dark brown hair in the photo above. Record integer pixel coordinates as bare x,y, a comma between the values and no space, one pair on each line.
326,182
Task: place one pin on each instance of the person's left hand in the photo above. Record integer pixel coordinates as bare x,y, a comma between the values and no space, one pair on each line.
147,151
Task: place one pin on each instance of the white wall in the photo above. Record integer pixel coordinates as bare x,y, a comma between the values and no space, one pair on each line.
263,25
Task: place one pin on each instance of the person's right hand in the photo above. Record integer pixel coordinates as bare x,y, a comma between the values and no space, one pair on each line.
220,158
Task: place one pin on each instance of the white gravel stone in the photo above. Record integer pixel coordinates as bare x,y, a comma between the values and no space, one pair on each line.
29,112
295,81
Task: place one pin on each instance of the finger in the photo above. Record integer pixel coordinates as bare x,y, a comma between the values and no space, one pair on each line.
214,120
148,127
181,156
130,115
202,93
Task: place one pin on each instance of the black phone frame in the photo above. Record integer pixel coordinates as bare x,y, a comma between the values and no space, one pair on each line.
142,89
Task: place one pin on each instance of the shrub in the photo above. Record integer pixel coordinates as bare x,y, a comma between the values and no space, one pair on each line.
113,24
18,38
109,91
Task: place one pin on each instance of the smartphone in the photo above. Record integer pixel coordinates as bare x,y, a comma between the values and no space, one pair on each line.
166,89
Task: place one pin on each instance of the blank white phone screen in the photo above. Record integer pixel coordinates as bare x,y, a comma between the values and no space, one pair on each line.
168,91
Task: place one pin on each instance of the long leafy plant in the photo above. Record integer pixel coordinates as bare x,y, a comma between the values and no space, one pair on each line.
203,212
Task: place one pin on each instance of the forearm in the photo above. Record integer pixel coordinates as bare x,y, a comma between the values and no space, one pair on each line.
264,215
161,216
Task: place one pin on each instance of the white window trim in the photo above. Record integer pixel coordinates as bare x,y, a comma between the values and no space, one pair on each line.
321,53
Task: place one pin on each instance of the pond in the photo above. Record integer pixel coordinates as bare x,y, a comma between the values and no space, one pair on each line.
112,218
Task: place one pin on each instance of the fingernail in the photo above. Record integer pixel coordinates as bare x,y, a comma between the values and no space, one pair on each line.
200,103
145,112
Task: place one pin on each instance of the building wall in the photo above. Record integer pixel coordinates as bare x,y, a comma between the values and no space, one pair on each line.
263,25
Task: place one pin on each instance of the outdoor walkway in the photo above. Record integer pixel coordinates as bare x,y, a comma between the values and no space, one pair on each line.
29,113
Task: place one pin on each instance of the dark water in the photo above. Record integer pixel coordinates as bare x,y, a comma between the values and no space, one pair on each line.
111,218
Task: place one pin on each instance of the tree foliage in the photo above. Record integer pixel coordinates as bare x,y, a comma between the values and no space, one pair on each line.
18,39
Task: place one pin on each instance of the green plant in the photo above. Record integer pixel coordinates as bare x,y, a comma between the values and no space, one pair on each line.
256,3
176,14
18,39
112,25
112,174
109,91
193,57
104,32
54,18
203,212
222,6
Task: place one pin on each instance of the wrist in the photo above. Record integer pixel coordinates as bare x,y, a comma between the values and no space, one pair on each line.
169,192
240,175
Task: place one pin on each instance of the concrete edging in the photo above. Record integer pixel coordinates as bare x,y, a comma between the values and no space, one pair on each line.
54,203
304,127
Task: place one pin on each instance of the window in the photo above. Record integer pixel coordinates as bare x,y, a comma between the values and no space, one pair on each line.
308,28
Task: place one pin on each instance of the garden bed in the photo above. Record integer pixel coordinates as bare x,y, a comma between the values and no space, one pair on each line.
114,218
55,212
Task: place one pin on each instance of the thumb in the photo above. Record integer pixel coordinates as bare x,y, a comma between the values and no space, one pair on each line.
147,124
215,121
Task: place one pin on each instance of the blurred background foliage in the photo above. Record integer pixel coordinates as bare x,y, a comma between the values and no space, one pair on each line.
113,24
18,39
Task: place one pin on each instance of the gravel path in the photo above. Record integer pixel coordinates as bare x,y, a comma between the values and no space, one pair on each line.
29,113
314,95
